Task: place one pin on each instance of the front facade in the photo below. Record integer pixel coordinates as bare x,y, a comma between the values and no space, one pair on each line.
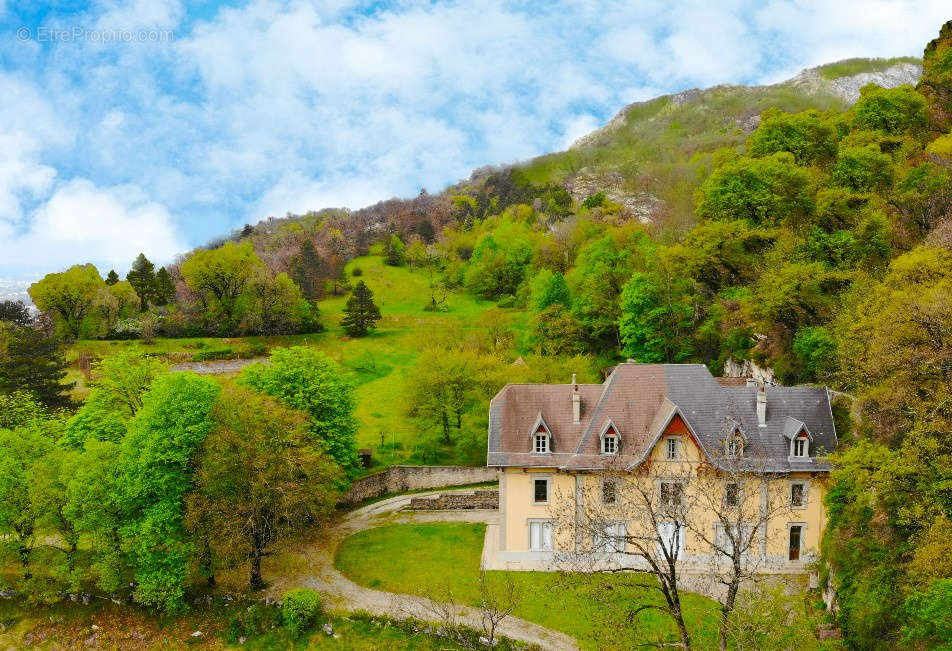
659,434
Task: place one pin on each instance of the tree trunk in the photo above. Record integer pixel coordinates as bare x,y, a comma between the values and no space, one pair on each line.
726,610
255,581
444,417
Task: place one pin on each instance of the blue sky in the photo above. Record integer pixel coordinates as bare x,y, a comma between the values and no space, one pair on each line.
198,117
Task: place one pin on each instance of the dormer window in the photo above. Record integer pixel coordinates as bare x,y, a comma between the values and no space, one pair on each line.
672,448
610,438
735,447
610,444
801,447
540,436
541,442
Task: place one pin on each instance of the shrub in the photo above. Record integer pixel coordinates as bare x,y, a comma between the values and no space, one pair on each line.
214,354
254,620
357,271
300,610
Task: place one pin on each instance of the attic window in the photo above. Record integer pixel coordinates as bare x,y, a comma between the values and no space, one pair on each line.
541,442
735,447
800,446
610,441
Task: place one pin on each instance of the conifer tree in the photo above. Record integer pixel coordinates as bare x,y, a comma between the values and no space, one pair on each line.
112,277
306,270
396,251
142,279
33,361
361,313
164,289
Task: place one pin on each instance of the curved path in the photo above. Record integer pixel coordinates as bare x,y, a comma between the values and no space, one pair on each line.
318,572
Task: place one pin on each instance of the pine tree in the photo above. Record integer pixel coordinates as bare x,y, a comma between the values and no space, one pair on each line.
112,277
306,270
164,289
361,313
142,279
396,251
34,362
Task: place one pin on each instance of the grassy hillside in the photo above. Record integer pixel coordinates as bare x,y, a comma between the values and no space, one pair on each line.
377,363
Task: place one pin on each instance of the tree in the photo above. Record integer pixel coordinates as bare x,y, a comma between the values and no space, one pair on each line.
32,359
142,278
555,331
935,84
69,296
306,270
441,387
361,313
548,288
16,313
112,277
155,474
163,291
20,448
307,380
771,190
656,317
892,110
417,254
276,306
396,252
811,136
863,168
260,476
219,277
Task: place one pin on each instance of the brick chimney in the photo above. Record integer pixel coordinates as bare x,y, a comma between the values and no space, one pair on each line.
762,404
576,402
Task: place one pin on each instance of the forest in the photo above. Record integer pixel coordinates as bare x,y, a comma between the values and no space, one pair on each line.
821,252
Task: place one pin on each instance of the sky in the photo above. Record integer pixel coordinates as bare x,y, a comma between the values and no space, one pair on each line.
158,125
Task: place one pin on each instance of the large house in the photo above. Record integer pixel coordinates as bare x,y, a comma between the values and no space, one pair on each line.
559,447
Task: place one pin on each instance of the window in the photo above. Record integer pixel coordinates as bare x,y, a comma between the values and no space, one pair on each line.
671,539
673,449
540,491
540,535
796,540
610,444
609,491
731,494
735,447
801,446
541,443
611,538
670,494
798,495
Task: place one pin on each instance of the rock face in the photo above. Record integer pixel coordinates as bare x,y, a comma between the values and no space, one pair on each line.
643,206
747,368
848,87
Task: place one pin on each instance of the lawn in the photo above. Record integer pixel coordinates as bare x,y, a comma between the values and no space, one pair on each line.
433,557
377,363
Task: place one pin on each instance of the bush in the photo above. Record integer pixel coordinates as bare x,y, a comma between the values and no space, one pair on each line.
357,271
256,619
214,354
300,610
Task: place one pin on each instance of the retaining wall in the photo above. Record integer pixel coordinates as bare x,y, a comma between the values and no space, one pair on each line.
399,479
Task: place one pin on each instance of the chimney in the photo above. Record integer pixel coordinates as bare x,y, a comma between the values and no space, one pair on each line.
762,404
576,402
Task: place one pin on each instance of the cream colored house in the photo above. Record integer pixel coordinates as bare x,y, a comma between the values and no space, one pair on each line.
722,453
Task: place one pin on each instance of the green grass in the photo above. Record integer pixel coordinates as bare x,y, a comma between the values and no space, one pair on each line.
409,557
850,67
377,363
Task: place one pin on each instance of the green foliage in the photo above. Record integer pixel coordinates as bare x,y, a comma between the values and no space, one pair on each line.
863,169
816,349
894,111
499,262
656,318
548,288
771,190
555,331
396,251
219,277
155,475
300,610
308,380
32,359
112,277
851,67
361,313
142,278
810,136
929,616
69,296
163,291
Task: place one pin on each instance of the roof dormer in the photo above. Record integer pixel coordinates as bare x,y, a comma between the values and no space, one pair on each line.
540,436
609,438
800,438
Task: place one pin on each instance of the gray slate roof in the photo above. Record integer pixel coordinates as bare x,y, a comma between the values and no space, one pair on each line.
640,400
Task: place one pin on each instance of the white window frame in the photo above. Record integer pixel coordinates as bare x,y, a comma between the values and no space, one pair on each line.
672,450
535,443
613,481
806,447
612,539
735,447
614,440
545,531
548,489
804,499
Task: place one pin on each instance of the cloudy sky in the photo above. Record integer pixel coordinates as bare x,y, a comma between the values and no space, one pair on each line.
155,125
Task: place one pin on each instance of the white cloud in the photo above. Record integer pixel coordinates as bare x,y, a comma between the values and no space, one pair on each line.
81,222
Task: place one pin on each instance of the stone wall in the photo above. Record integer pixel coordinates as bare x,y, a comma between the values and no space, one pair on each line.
399,479
486,499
